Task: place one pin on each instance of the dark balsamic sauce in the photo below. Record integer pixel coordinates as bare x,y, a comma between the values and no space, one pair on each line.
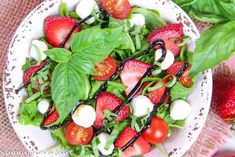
103,86
154,111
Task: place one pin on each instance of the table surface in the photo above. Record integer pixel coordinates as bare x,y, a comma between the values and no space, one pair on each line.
11,14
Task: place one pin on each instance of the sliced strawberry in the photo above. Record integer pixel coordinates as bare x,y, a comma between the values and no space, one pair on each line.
109,101
226,106
132,73
139,147
166,33
51,118
156,95
57,28
185,80
31,71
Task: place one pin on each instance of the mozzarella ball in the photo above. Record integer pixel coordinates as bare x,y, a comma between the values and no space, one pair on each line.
180,110
43,105
168,61
137,20
103,138
141,106
84,116
84,9
39,46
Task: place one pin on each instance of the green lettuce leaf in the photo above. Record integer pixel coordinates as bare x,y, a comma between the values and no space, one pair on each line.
29,114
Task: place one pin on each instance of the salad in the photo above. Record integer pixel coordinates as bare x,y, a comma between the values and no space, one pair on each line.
108,79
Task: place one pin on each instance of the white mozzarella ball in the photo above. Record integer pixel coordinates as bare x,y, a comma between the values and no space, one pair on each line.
137,20
84,9
84,116
180,110
141,106
103,138
168,61
39,46
43,105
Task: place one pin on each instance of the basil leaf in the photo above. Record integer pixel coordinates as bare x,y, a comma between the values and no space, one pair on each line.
29,114
68,87
215,45
229,7
184,3
205,17
59,54
93,41
152,17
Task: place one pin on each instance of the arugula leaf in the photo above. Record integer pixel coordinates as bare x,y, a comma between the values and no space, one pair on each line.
63,9
215,45
152,17
69,86
29,114
127,42
59,54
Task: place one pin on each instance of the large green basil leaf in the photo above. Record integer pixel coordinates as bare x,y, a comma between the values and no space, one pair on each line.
59,54
69,86
93,41
184,3
152,17
215,45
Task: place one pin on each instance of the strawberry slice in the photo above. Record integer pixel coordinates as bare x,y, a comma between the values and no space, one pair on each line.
139,147
132,73
57,28
109,101
31,71
166,33
185,80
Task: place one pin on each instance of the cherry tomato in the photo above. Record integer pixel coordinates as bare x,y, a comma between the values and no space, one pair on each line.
51,118
77,135
185,80
119,9
105,69
156,95
157,132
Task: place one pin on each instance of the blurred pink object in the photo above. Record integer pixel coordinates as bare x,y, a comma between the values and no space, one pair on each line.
231,63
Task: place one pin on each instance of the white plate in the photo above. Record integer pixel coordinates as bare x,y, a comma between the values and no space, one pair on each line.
31,27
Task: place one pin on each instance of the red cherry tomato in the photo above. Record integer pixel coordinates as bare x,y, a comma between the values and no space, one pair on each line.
156,95
105,69
185,80
157,132
77,135
51,118
119,9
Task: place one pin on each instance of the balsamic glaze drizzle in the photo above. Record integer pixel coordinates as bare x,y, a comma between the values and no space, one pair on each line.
154,111
104,24
103,86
